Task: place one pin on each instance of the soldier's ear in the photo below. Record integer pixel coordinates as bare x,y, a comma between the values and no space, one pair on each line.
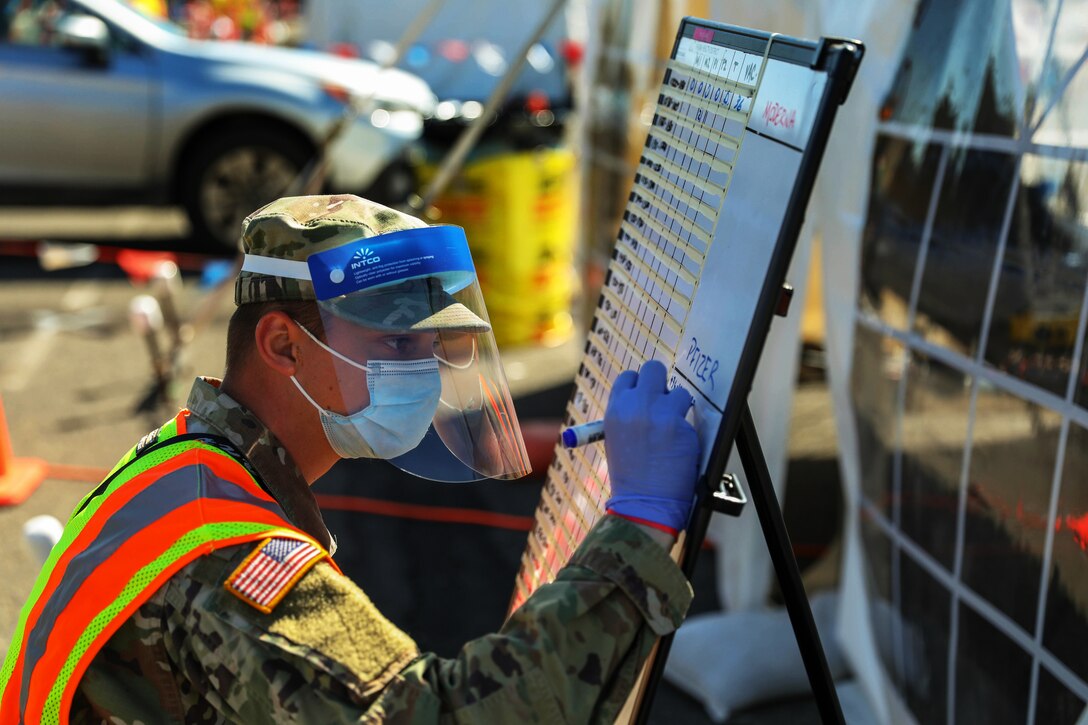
276,339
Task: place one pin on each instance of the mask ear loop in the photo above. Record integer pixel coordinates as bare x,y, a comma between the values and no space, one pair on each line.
455,366
328,349
307,396
471,360
332,352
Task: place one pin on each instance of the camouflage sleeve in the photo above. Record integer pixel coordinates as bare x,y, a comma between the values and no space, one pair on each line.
321,655
571,653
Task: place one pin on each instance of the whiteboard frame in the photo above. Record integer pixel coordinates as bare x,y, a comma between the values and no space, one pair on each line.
838,58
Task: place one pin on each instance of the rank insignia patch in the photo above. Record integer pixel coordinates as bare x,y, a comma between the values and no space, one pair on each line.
267,574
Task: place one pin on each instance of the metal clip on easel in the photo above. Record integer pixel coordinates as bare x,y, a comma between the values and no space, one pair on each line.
729,497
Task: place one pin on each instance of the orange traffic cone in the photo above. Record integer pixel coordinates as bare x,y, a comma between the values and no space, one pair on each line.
18,476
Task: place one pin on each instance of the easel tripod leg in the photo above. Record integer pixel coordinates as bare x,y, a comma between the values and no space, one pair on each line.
761,491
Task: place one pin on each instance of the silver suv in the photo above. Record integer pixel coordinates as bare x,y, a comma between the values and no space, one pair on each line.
101,103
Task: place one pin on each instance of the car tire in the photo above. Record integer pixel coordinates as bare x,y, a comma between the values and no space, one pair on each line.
234,172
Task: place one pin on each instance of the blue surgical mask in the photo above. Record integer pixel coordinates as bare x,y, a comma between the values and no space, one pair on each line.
404,395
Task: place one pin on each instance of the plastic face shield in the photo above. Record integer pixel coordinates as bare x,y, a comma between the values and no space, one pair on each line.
414,294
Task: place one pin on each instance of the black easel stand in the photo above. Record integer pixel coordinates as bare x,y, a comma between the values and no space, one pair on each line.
729,499
785,566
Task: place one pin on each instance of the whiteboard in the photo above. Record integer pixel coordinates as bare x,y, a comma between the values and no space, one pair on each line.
706,235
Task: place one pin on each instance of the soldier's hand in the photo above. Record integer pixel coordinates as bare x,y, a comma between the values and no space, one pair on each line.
653,452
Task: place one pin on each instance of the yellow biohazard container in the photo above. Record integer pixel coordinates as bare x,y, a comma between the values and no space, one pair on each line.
519,212
540,314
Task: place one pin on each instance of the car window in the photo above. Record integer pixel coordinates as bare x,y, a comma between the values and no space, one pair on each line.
31,22
34,22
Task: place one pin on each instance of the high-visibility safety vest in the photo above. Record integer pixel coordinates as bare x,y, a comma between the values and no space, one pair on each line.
161,507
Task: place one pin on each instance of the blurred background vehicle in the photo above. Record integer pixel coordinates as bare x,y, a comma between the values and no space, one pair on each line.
462,52
104,102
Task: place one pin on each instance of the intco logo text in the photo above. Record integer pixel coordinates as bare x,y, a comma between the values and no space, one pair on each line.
363,257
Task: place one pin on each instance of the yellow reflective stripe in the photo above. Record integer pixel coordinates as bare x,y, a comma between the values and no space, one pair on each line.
72,530
182,548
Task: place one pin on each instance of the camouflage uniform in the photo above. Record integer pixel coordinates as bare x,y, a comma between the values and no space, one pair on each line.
196,653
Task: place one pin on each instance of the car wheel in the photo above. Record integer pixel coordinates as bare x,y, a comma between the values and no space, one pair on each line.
394,184
233,174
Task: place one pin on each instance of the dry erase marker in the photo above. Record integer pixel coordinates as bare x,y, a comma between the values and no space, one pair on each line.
584,434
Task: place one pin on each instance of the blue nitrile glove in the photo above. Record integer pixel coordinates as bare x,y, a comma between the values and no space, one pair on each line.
653,453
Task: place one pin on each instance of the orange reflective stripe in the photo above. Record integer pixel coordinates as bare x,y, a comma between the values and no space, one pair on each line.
105,583
88,656
173,427
10,704
93,585
219,463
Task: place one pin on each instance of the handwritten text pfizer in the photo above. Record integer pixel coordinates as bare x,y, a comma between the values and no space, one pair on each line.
702,365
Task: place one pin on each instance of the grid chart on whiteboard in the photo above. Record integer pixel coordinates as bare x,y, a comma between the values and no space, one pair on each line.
683,176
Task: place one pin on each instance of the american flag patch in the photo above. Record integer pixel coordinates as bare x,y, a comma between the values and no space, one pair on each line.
267,574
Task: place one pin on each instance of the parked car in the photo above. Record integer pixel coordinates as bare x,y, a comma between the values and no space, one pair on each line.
99,102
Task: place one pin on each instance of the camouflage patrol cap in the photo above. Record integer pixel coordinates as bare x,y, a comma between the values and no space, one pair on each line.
293,228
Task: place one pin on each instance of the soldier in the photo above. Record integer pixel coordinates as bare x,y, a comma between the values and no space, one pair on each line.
196,583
